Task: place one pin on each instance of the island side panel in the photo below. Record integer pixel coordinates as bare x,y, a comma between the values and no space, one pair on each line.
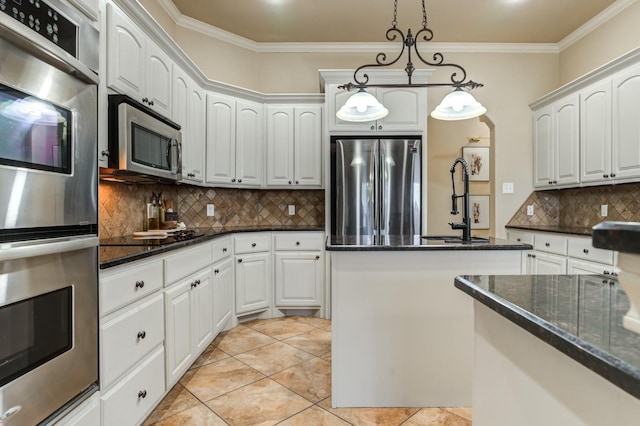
402,333
521,380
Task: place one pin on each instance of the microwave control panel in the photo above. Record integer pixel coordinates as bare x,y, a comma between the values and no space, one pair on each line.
45,20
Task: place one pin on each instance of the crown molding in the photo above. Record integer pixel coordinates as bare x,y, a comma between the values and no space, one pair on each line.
227,37
598,20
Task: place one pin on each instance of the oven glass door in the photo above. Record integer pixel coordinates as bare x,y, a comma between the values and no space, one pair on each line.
36,134
34,331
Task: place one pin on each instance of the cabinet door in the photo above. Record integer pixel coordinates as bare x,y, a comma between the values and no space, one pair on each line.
549,264
202,310
193,148
221,139
253,283
249,142
158,79
543,150
336,98
125,51
626,128
567,140
595,132
178,329
222,294
280,145
298,279
581,267
307,149
407,109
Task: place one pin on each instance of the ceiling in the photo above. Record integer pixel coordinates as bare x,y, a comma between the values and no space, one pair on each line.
463,21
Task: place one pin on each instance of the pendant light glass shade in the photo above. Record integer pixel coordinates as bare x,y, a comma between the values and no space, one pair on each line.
362,107
458,105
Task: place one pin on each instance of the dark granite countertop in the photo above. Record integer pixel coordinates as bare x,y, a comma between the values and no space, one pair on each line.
580,315
574,230
418,243
620,236
111,256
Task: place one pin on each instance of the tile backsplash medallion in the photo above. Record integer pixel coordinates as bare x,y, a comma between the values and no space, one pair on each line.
121,206
580,207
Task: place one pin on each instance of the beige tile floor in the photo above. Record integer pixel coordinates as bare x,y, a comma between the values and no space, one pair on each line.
277,371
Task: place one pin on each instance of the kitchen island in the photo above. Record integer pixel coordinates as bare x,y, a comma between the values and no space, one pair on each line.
552,350
402,334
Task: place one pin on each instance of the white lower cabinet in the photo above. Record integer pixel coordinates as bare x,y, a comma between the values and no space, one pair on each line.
127,337
253,283
299,269
252,271
133,397
556,253
222,294
189,322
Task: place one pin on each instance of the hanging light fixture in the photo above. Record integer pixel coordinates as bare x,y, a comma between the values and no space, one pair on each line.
457,105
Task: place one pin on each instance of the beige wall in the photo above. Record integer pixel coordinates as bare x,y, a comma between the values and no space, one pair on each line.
512,81
609,41
159,14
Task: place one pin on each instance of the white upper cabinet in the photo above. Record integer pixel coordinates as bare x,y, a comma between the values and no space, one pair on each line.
556,143
626,124
294,145
189,108
136,66
407,110
595,132
234,141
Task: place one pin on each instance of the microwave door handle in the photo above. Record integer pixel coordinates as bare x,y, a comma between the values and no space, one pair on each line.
179,163
174,166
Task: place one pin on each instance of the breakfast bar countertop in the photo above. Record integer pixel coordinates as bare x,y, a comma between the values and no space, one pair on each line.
418,243
579,315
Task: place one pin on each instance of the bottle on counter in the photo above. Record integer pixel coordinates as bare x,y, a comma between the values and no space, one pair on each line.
152,213
161,209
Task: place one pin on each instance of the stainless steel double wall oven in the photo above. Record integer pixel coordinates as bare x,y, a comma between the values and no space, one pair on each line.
48,211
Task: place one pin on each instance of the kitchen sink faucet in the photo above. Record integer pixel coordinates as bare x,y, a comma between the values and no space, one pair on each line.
466,220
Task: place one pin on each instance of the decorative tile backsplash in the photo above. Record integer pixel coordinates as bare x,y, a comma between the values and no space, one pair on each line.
121,206
580,207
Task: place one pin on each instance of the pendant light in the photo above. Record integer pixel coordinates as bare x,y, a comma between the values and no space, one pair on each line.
457,105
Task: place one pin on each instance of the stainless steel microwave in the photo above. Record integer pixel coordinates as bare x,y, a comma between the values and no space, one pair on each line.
143,145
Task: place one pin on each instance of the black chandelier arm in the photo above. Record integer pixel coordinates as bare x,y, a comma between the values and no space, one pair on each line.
438,58
381,58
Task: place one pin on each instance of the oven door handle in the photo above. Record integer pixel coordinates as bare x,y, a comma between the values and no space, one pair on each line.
12,251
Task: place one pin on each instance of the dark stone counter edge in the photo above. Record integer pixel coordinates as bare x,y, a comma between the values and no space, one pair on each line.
434,247
620,236
616,371
586,232
215,233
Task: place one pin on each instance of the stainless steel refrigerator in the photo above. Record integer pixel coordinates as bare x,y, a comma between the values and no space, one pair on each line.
376,187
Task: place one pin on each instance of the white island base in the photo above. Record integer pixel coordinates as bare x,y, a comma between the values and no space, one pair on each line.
521,380
402,334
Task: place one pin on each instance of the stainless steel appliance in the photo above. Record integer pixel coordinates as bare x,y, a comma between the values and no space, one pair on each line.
143,145
48,211
376,186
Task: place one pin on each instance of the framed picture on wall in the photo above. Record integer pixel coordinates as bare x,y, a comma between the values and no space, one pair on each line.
480,211
477,157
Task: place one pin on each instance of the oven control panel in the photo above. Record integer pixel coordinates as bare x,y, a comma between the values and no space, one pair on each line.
45,20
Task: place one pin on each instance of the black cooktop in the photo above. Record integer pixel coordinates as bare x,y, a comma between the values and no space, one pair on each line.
130,240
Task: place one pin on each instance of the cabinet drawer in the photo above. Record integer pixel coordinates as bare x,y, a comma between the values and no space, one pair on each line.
582,248
252,243
186,262
221,249
551,244
128,337
298,241
521,237
124,285
133,397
